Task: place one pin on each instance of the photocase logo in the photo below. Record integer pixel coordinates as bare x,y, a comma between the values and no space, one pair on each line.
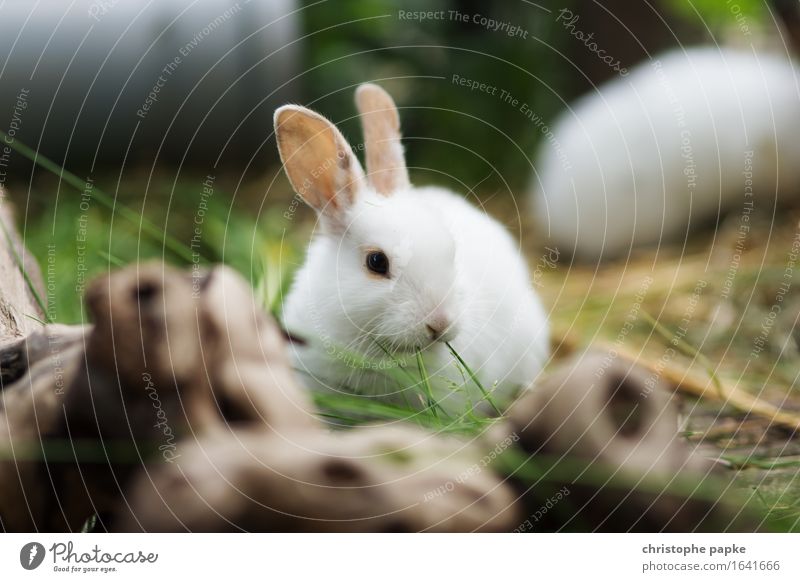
31,555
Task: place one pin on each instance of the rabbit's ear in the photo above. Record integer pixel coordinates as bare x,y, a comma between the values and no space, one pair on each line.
317,159
386,164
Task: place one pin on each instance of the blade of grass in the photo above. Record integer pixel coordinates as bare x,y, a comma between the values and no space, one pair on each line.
474,378
687,349
116,261
36,319
90,524
426,384
363,405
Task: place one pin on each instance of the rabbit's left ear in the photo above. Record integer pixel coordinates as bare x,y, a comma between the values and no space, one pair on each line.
386,164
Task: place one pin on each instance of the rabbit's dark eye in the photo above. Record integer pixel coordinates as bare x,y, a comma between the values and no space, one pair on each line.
378,263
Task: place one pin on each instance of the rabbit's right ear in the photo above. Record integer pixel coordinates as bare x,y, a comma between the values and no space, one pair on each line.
317,159
386,164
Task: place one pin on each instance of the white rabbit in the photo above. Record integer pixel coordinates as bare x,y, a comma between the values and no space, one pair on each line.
393,268
649,155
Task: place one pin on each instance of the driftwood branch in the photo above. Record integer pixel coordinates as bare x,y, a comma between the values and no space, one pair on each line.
20,310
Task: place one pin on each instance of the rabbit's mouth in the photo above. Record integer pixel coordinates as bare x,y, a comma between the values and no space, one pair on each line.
410,344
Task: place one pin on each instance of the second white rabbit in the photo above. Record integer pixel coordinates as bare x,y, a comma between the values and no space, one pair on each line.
684,137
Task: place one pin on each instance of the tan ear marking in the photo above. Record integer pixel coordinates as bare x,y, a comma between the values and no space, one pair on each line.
386,165
317,159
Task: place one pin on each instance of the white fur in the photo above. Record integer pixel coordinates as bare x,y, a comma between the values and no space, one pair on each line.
618,171
448,258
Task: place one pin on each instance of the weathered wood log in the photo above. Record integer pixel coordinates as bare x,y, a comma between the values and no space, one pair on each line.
368,479
607,430
168,357
19,354
203,344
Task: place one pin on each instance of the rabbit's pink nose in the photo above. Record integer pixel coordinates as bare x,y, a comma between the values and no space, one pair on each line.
438,327
433,332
